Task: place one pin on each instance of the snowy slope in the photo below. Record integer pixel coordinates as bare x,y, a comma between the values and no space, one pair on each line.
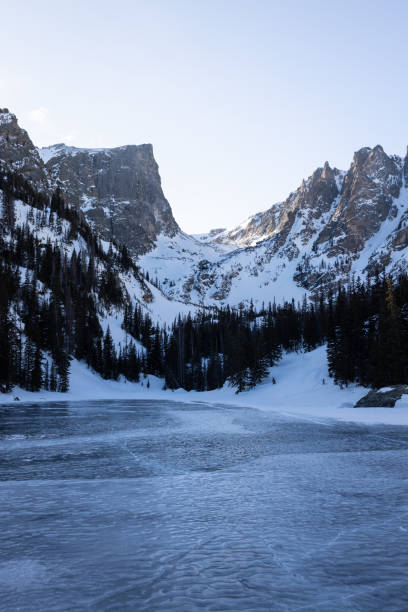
299,391
336,226
47,153
160,308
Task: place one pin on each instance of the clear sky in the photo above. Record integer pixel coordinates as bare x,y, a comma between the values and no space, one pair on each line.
241,99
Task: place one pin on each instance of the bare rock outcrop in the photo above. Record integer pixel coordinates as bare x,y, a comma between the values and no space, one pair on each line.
382,398
119,190
18,153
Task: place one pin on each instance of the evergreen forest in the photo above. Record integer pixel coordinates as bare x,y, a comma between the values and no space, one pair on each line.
51,307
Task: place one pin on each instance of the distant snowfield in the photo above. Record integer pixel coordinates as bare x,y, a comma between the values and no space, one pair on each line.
303,390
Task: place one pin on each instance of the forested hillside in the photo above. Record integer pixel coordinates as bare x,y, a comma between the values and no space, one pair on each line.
68,290
59,283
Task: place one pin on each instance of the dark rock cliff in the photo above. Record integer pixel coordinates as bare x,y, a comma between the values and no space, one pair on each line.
119,191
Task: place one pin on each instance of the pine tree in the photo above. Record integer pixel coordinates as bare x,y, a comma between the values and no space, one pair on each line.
36,373
46,377
63,371
109,356
7,354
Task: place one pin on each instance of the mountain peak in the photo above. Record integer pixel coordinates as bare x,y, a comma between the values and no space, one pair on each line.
327,172
18,152
360,156
118,189
378,153
6,116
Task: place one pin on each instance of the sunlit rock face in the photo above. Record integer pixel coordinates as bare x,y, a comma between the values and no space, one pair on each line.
311,200
338,225
370,187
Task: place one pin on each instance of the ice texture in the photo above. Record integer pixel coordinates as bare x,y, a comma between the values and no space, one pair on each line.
160,506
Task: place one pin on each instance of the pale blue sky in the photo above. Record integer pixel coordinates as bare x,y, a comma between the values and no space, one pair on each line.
241,99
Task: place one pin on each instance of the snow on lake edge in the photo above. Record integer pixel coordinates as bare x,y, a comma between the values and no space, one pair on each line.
303,390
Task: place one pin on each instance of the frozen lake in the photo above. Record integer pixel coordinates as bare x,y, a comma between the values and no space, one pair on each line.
148,506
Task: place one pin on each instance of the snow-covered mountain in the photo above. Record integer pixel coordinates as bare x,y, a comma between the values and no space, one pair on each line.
18,153
336,225
20,158
118,190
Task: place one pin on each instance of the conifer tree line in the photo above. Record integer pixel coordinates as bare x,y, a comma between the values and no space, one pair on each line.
53,311
364,325
51,314
367,332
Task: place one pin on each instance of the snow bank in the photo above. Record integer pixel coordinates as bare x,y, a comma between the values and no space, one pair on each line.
85,384
303,390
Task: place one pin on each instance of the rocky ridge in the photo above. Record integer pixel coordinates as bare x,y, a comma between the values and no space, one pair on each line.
338,225
382,398
18,153
119,190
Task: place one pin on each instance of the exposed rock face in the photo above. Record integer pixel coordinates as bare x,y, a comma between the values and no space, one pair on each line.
119,191
313,199
370,186
358,202
214,232
17,151
337,225
382,399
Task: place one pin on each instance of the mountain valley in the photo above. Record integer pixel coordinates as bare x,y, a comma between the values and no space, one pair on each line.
337,226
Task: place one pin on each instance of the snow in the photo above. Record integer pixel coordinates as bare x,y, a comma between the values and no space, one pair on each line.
299,392
120,338
85,384
258,267
233,236
161,309
45,233
6,118
378,241
176,507
247,273
402,403
255,266
88,203
209,236
47,153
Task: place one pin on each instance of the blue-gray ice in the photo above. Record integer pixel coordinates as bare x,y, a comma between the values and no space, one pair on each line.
152,506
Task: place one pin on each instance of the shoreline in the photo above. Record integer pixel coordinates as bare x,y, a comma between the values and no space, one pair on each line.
303,390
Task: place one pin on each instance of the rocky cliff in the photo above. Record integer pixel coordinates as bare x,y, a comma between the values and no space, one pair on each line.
338,225
17,151
119,191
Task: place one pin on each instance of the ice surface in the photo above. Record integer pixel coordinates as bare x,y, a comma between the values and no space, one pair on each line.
303,390
148,506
